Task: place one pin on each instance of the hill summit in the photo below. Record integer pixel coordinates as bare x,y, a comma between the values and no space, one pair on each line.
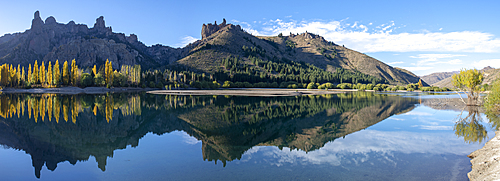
227,40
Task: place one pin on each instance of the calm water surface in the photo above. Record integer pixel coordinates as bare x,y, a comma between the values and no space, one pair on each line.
355,136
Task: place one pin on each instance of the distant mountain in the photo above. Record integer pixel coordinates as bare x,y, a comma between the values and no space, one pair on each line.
49,41
490,75
436,77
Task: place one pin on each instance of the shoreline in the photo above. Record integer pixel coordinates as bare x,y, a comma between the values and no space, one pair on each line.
486,161
249,92
74,90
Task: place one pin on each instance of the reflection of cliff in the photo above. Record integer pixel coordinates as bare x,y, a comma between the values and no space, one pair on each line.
305,123
227,126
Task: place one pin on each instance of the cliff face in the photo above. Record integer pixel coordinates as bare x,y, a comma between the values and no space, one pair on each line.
49,41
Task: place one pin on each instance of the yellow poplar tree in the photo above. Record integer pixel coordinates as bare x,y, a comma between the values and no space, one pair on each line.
18,74
23,78
65,73
94,70
29,74
41,74
74,71
57,73
49,74
34,79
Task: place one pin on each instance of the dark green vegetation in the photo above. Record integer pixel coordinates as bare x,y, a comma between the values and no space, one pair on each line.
55,129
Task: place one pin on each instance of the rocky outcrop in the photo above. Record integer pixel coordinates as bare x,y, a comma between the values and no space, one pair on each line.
209,29
50,41
486,161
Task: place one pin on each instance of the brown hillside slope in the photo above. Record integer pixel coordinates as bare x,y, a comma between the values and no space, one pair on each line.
207,54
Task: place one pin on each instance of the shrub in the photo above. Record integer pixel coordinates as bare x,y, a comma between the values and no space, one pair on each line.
311,85
86,80
377,88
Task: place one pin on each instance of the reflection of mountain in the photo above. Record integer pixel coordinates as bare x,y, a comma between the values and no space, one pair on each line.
305,123
227,126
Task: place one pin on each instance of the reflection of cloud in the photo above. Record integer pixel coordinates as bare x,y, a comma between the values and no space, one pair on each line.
186,138
369,144
397,119
416,113
428,127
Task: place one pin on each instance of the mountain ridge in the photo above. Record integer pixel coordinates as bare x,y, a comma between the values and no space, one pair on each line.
49,41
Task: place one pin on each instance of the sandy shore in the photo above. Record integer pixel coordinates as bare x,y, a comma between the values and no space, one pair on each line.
74,90
249,92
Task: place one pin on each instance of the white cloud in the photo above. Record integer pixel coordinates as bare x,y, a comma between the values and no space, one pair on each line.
186,40
484,63
394,63
382,38
428,61
412,69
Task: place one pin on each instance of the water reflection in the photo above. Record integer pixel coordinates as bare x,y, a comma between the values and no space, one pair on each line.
96,125
470,128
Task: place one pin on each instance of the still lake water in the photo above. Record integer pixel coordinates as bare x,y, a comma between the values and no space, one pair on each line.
353,136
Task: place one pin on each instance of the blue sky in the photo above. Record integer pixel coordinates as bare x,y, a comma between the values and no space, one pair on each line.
420,36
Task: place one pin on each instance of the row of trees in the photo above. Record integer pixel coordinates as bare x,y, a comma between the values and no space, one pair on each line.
51,75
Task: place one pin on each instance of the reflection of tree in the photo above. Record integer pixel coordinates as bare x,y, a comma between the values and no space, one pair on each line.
470,127
47,106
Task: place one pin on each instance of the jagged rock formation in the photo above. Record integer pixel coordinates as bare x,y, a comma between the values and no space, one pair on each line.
209,29
50,41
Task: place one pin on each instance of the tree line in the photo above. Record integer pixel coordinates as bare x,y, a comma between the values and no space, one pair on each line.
51,75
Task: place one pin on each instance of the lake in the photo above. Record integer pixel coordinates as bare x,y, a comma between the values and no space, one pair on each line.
138,136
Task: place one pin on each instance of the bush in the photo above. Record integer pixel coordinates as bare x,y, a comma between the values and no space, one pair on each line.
377,88
152,84
311,85
410,89
86,80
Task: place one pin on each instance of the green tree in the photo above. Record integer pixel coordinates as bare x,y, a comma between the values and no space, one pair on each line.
492,103
468,81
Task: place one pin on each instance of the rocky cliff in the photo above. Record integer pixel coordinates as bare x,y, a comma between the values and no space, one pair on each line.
49,41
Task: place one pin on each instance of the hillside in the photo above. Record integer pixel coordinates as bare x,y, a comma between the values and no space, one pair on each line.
225,50
226,40
436,77
490,75
49,41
